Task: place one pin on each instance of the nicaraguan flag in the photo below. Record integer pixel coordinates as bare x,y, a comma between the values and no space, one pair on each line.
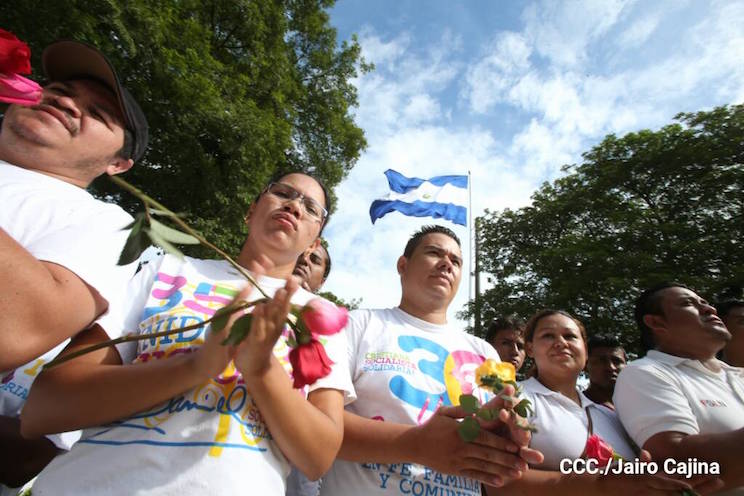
442,197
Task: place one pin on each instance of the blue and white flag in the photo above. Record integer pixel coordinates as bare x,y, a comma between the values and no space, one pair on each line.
443,197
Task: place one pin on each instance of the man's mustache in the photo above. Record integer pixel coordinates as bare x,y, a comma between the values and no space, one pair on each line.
69,121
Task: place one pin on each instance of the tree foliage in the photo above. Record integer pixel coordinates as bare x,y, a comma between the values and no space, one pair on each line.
350,305
647,207
233,91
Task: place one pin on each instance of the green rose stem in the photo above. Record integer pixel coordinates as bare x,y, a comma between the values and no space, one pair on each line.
150,202
132,337
222,313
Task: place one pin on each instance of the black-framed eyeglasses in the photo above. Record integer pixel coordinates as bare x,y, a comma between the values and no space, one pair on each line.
285,192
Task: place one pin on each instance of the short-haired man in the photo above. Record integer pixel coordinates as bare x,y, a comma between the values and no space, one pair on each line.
732,314
313,267
58,245
506,335
605,360
406,362
679,402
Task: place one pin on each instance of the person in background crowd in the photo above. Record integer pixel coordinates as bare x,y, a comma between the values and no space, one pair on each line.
506,335
680,402
313,267
409,366
565,418
185,414
606,359
59,246
732,314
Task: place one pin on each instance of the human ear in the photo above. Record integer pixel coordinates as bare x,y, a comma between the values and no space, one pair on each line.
653,322
119,165
401,265
248,214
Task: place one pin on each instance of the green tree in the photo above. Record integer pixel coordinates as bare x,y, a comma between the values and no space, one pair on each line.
647,207
350,305
234,91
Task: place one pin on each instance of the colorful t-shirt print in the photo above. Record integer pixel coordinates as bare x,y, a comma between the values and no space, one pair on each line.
403,369
212,437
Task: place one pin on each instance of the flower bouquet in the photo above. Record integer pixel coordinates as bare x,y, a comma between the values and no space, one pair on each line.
493,376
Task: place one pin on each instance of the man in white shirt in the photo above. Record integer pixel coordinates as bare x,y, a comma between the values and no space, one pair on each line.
59,245
679,402
407,362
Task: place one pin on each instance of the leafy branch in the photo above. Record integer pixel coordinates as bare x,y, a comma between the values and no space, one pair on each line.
218,320
145,227
146,230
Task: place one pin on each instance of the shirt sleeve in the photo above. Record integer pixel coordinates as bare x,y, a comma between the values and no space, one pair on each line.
649,400
91,250
354,330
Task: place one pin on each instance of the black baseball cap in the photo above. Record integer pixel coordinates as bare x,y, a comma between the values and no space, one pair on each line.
67,59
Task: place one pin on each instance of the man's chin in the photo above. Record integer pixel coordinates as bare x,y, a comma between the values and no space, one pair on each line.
300,280
720,334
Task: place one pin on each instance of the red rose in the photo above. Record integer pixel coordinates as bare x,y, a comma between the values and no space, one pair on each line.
599,450
14,55
309,363
323,317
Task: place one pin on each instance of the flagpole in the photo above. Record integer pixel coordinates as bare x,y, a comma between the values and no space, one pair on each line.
470,243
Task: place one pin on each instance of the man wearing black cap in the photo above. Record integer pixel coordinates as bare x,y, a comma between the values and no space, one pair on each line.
58,245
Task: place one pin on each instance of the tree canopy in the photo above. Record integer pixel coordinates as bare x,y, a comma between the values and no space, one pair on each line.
647,207
233,91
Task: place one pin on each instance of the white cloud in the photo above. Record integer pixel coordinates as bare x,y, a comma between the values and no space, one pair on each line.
401,91
638,32
506,61
378,51
530,101
567,108
563,31
421,108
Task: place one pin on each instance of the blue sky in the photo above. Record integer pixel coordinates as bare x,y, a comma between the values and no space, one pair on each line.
511,91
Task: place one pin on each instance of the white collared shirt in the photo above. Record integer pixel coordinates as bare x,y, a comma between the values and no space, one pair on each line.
563,426
662,392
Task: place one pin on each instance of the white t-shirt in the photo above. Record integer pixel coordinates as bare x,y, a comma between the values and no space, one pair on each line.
208,440
563,426
403,369
64,224
662,393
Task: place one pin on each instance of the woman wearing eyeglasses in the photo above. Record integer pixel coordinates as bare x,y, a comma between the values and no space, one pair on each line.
183,414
